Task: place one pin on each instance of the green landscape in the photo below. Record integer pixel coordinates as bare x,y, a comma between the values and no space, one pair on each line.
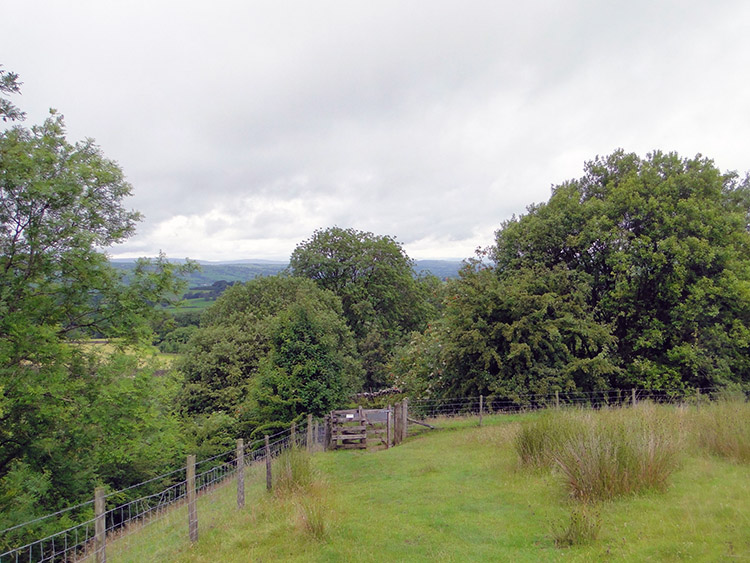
632,280
464,493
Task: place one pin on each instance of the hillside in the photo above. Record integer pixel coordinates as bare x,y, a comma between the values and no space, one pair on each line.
211,272
455,494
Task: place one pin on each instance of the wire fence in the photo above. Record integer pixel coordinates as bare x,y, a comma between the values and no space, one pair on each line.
86,529
496,404
129,509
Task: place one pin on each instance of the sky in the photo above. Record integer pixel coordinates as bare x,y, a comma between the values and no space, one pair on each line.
244,126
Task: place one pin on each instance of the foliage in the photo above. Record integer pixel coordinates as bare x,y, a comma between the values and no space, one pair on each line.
529,333
268,352
583,527
9,84
637,274
664,245
68,418
382,299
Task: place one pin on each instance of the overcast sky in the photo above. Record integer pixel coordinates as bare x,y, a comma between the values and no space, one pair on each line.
243,125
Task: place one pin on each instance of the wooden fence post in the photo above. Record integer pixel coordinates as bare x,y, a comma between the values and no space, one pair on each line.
269,482
633,396
481,408
309,433
100,526
191,498
389,427
557,399
404,418
327,432
294,434
397,424
240,473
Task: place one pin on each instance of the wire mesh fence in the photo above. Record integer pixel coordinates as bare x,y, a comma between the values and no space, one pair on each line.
160,506
159,501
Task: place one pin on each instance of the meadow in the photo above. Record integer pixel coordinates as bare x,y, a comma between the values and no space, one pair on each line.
506,491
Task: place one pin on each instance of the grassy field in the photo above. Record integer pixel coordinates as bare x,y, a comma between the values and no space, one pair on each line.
460,493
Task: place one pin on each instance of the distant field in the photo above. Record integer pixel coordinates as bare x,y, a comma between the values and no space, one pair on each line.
458,494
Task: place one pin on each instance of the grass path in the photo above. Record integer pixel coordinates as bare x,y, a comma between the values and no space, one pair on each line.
457,495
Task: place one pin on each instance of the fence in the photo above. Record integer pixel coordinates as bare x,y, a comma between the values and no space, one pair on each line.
107,518
495,404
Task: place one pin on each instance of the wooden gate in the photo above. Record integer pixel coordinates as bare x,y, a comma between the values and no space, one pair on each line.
348,429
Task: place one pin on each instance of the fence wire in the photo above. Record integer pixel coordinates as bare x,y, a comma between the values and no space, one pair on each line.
121,517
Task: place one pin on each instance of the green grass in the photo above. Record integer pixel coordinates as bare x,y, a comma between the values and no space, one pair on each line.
461,494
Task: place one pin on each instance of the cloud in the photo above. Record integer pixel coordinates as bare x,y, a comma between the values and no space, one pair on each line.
244,126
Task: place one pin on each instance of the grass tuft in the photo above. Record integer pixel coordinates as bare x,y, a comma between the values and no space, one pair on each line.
605,454
723,429
292,472
582,528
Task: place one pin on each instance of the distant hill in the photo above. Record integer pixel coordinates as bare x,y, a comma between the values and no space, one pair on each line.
244,270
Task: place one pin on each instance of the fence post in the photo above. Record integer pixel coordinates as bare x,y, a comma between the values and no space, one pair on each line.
100,526
240,473
557,399
309,433
396,424
294,434
389,427
191,497
327,432
268,465
405,418
481,408
633,396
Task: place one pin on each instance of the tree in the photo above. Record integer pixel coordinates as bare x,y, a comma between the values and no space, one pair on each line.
665,245
269,351
527,333
9,84
59,204
383,300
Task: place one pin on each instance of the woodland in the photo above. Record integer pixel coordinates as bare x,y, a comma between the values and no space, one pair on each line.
636,274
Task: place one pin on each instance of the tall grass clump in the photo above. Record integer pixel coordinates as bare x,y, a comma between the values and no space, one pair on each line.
292,472
723,429
605,454
537,441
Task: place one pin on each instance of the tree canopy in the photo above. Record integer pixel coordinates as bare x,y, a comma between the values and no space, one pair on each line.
383,300
60,203
636,274
269,351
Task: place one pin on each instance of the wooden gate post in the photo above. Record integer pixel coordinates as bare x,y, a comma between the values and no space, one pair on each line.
269,482
191,498
240,473
100,526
